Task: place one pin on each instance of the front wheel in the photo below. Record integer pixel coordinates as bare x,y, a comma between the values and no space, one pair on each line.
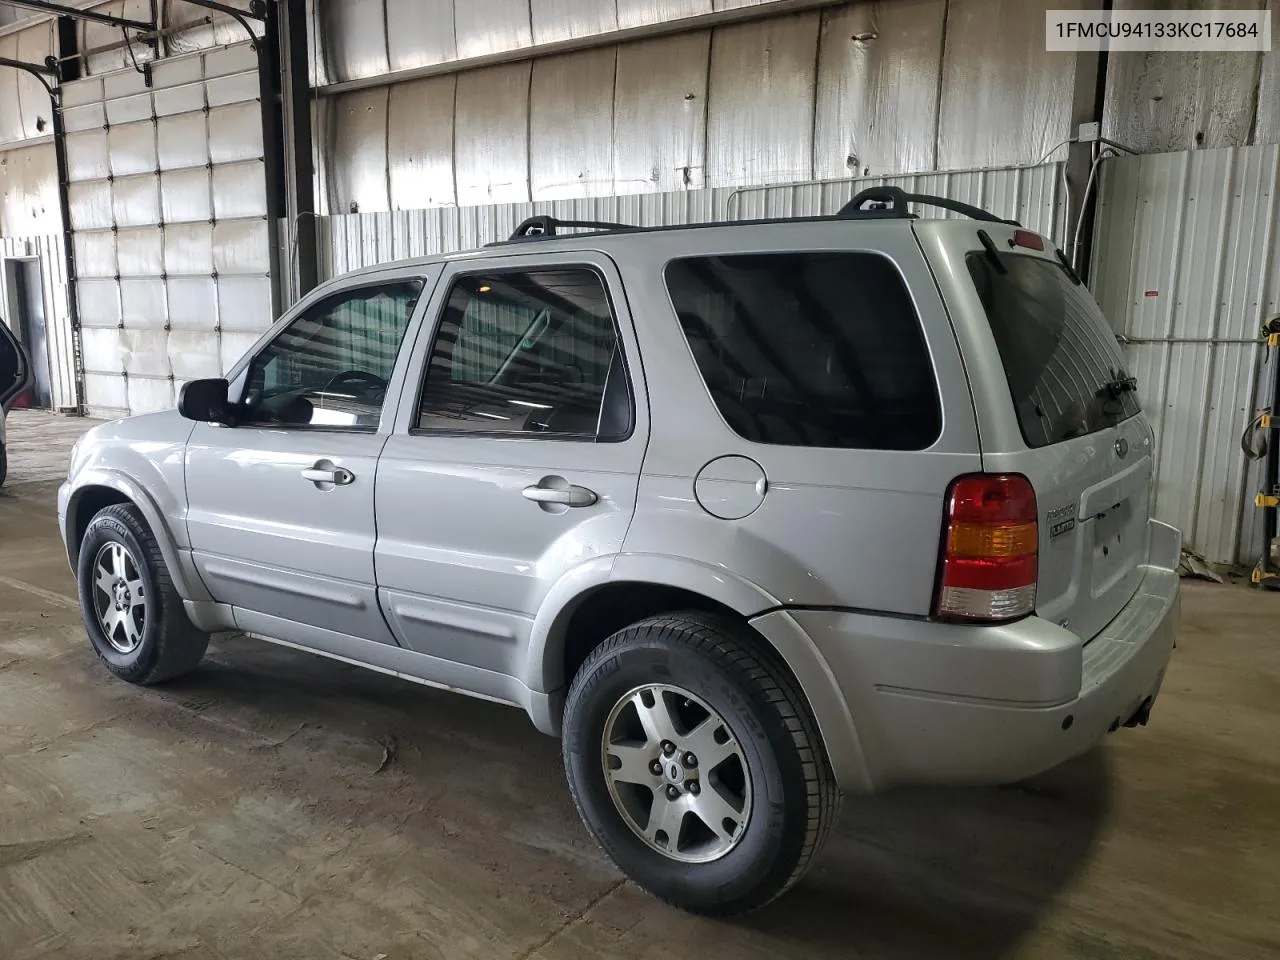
131,609
695,762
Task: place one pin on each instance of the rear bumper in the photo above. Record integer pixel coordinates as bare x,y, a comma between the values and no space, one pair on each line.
928,703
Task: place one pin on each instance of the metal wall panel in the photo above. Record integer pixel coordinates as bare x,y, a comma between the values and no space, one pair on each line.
660,114
571,125
419,33
1158,102
355,34
1187,267
35,109
358,174
491,134
878,81
555,20
761,100
1032,196
420,143
491,26
642,13
25,109
10,111
1004,99
29,204
1266,125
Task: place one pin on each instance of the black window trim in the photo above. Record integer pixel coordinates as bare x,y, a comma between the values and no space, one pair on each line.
934,374
415,411
341,293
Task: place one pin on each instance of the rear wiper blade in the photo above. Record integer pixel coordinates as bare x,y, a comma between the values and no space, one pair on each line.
1120,385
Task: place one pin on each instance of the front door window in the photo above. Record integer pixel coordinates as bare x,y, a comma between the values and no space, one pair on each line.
330,367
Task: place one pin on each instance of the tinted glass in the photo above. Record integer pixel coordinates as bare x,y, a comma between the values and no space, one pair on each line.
1065,370
529,352
809,349
330,366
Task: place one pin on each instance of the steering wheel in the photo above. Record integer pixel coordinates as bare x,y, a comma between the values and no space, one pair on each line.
374,383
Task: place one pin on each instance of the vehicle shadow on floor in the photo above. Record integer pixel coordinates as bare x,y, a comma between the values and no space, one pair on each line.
948,872
929,873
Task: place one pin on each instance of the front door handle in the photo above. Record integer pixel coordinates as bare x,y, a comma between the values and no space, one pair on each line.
556,491
325,472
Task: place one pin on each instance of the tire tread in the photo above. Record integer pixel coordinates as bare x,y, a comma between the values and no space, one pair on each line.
179,645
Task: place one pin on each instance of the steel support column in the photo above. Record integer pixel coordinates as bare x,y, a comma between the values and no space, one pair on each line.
299,158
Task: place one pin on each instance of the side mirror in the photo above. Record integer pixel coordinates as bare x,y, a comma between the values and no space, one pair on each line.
205,401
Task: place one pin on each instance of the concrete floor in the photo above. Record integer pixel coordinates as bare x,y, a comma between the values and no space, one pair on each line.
279,805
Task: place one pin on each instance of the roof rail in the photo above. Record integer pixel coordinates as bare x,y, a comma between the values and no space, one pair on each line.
892,202
546,226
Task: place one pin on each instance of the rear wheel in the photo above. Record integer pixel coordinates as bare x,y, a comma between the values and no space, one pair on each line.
131,610
696,764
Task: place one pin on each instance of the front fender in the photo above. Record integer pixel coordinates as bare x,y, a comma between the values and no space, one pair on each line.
170,534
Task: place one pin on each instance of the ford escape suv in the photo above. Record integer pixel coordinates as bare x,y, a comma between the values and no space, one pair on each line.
748,514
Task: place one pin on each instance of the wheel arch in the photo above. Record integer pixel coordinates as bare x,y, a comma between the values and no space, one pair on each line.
599,598
104,489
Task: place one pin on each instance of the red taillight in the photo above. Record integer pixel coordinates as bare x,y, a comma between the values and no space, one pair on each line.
989,546
1028,239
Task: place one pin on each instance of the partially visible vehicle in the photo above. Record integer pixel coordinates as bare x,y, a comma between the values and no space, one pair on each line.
15,378
749,513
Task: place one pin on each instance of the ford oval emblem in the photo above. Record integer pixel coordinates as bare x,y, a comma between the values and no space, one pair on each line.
1122,447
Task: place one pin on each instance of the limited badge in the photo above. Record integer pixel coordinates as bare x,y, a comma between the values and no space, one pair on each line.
1062,520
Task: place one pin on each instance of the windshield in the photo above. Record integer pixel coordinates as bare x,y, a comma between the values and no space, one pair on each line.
1065,370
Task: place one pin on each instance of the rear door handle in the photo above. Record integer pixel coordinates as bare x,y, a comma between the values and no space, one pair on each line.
555,490
325,472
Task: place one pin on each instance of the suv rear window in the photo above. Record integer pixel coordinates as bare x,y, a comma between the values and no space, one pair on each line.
1065,370
809,349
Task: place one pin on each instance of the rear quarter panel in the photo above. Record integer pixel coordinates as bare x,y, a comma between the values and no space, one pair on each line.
837,527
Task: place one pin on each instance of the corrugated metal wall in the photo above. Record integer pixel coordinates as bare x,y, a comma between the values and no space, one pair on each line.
48,250
1031,195
1187,266
168,212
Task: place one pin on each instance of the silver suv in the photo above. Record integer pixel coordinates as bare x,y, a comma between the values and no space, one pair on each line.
749,514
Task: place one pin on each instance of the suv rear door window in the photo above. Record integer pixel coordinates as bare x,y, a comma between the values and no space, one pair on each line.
531,353
815,349
1064,367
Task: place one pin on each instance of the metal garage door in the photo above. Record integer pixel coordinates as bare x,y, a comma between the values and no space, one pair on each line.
168,212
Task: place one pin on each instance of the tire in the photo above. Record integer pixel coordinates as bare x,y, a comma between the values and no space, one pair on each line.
4,460
161,643
773,749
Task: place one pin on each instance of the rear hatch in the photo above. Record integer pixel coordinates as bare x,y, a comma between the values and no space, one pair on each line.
1056,405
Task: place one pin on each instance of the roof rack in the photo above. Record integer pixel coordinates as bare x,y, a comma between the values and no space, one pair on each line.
875,203
891,202
546,226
